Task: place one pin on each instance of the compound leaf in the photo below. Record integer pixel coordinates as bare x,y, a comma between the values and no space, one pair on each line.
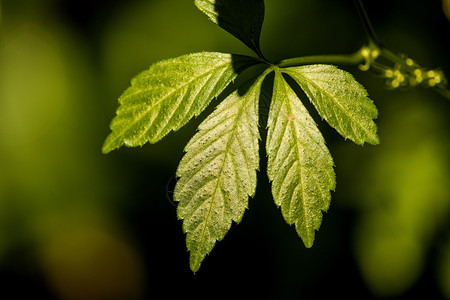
169,94
241,18
299,163
340,100
218,172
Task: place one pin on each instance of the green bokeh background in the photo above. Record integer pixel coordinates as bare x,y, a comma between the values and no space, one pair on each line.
76,224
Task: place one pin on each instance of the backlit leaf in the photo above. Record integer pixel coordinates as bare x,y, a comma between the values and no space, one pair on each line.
241,18
218,172
300,165
340,100
169,94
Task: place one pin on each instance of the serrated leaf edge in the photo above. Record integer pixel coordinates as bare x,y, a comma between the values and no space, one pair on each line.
304,82
304,230
111,141
196,260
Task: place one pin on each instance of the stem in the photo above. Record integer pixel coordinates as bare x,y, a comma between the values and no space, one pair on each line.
365,57
373,38
443,91
345,59
261,57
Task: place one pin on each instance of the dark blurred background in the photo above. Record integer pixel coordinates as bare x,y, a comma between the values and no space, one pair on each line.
76,224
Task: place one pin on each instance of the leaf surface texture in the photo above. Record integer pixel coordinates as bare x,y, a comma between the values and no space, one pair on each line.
218,172
340,100
300,166
169,94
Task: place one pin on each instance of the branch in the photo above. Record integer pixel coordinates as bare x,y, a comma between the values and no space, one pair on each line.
339,59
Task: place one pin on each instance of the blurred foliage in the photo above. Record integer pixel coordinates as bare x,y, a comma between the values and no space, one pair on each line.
75,224
54,190
402,195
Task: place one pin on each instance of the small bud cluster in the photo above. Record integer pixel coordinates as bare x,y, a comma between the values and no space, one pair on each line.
370,55
411,74
405,72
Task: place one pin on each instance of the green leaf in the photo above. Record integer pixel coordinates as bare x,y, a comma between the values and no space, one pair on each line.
340,100
241,18
169,94
218,172
300,165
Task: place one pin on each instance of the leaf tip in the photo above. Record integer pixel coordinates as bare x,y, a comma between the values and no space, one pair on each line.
308,244
375,140
195,262
308,237
110,144
306,233
372,140
106,148
194,268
